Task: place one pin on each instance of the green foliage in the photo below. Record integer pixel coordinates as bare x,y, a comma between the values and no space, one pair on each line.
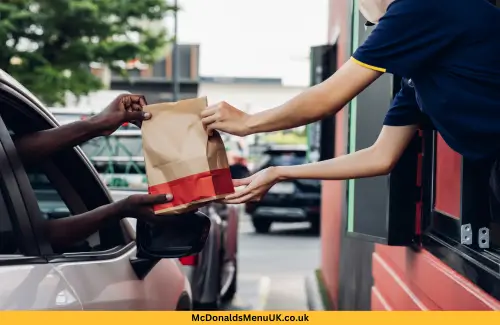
54,41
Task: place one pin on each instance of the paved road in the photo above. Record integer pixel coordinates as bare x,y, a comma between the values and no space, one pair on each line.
272,267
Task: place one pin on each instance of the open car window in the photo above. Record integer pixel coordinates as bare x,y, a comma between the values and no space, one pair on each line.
62,186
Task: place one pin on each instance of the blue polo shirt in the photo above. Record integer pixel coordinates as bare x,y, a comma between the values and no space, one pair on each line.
448,52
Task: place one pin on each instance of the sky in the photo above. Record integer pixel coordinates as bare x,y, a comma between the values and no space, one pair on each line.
254,38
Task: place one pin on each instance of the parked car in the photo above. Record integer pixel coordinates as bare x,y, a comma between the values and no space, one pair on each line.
65,115
292,201
213,272
96,99
100,273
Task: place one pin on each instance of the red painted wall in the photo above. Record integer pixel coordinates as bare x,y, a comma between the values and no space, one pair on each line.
331,207
448,180
407,280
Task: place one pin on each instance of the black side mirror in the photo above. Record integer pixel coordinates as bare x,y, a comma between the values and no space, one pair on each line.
178,236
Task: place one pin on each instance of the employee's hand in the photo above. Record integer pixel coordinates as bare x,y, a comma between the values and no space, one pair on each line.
140,206
225,118
124,108
257,186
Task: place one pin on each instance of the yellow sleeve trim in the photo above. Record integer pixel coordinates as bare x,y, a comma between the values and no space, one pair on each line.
371,67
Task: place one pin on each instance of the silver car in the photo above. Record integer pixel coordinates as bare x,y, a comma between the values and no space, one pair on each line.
99,273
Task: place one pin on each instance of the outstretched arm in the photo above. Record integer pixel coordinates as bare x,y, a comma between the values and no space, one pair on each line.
395,46
64,232
312,105
39,145
379,159
317,102
34,147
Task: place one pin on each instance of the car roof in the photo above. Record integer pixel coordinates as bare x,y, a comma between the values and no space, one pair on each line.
11,81
39,107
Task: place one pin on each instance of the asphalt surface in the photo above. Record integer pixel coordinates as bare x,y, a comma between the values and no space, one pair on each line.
272,267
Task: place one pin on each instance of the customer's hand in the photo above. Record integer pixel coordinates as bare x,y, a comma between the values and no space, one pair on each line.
124,108
225,118
257,186
140,206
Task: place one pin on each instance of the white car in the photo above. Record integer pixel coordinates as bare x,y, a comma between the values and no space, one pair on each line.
102,272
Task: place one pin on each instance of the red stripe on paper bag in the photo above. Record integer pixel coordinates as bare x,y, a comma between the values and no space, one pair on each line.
195,188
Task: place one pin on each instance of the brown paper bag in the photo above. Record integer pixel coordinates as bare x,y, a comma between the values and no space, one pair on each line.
181,159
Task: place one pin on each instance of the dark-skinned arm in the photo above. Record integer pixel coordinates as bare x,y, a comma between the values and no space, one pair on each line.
37,146
42,144
64,232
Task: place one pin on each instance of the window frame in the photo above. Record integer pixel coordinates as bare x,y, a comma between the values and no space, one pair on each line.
67,193
441,235
38,116
436,221
12,206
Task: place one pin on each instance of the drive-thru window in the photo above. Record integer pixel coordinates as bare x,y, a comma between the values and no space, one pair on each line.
434,205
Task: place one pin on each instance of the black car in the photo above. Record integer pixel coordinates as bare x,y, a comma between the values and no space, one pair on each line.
293,201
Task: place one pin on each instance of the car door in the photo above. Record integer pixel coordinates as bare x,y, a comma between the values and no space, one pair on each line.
27,280
98,269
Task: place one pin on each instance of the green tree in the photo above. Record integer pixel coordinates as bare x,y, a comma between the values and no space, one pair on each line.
48,44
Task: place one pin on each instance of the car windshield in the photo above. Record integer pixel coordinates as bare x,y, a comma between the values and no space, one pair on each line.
283,158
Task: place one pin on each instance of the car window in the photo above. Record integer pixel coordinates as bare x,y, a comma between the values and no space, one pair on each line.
67,188
52,207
